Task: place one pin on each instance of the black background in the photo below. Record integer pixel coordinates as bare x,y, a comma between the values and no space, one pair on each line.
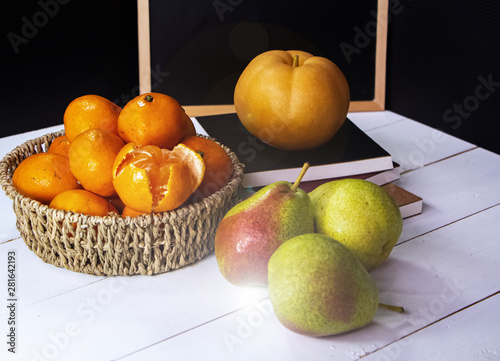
85,47
438,51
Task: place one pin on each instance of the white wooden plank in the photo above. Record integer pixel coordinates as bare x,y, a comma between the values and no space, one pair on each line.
252,333
477,341
452,189
367,121
37,280
8,230
413,145
432,276
120,315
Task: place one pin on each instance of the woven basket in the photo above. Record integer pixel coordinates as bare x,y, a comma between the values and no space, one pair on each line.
112,245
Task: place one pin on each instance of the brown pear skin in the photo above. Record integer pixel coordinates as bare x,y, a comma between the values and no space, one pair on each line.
319,288
253,229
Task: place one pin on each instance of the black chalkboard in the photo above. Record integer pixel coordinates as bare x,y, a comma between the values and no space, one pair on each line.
199,48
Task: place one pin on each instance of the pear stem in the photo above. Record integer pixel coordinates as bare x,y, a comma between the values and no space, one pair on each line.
295,61
392,308
305,167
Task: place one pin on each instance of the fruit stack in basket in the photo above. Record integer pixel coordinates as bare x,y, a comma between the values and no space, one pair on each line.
121,191
140,159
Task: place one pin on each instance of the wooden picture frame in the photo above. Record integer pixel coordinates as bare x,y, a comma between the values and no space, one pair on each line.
375,104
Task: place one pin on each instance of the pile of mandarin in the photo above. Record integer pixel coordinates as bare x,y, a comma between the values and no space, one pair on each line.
141,159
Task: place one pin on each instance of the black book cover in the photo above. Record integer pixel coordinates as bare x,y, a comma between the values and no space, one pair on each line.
350,152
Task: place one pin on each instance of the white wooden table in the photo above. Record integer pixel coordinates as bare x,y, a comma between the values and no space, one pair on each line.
445,271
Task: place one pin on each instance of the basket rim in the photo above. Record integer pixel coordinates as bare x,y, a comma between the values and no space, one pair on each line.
6,184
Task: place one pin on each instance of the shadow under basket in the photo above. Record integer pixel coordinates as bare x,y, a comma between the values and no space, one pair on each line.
112,245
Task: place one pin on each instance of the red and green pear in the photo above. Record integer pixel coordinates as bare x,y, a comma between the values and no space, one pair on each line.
253,229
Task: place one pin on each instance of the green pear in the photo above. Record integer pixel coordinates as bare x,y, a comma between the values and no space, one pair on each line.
361,215
253,229
318,287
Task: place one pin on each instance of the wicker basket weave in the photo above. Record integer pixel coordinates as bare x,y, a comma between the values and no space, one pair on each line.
112,245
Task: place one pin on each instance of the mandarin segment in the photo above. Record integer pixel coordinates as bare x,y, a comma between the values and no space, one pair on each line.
152,119
150,179
42,176
90,112
195,162
130,176
91,157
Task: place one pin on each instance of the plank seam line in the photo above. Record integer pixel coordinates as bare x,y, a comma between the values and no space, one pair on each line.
68,291
10,240
185,331
450,223
434,322
440,160
385,125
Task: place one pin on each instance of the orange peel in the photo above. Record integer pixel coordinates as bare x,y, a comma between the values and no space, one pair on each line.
150,179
